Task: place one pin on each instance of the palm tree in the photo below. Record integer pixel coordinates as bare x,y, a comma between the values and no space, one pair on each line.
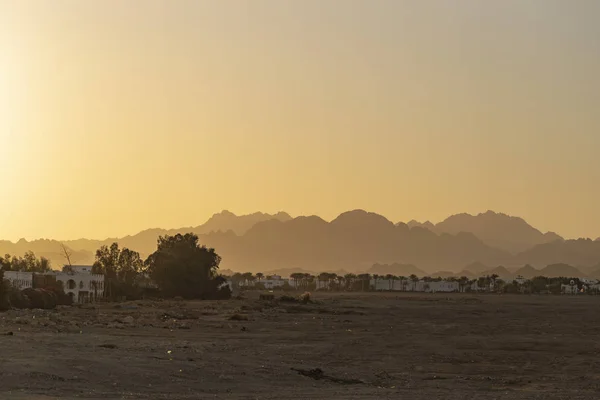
259,276
248,277
364,278
402,280
390,279
414,280
462,282
349,280
335,279
322,277
297,277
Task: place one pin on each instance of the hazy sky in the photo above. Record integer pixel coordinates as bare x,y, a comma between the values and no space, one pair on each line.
120,115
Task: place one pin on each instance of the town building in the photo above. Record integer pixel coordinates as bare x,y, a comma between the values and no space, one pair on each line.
80,284
569,289
19,279
407,285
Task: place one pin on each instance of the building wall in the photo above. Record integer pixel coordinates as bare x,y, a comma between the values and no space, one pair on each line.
82,287
569,289
18,279
406,285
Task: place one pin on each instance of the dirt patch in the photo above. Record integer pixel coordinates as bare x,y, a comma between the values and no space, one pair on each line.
365,345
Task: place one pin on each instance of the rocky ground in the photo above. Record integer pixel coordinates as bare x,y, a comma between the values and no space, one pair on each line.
344,346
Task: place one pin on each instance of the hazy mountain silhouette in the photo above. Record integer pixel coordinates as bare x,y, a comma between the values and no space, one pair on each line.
595,271
145,241
502,273
442,274
396,269
240,224
354,241
476,267
498,230
467,273
558,270
527,272
50,249
584,252
426,224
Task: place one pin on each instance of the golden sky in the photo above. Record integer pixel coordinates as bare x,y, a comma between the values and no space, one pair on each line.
121,115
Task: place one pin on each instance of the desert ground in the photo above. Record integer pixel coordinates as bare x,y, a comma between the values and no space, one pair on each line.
365,345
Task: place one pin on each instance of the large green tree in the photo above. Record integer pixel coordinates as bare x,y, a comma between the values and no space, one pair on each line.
180,266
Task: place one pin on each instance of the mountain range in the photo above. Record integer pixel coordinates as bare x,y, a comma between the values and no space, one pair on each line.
354,242
508,233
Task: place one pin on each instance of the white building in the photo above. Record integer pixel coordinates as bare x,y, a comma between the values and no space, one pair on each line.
19,279
406,285
569,289
520,280
274,281
80,284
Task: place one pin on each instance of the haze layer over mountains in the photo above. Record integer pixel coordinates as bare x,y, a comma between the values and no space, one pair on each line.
356,241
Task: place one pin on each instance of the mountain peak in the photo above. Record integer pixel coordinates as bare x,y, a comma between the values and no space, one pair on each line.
360,217
499,230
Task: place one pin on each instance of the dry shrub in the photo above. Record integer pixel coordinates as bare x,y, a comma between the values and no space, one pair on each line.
238,317
288,299
41,298
305,298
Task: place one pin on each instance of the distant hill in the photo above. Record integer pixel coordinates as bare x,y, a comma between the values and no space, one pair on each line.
50,249
477,267
595,271
426,224
354,242
397,270
527,272
498,230
502,273
467,273
558,270
573,252
228,221
442,274
145,241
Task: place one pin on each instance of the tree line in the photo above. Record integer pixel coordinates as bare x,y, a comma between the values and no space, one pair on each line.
28,263
180,266
362,282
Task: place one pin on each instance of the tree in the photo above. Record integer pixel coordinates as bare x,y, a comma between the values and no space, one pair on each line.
259,276
390,279
248,277
129,266
121,269
365,281
349,281
66,254
107,260
462,283
28,263
297,277
414,279
182,267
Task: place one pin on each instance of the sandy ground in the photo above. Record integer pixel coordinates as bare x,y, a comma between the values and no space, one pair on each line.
368,346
